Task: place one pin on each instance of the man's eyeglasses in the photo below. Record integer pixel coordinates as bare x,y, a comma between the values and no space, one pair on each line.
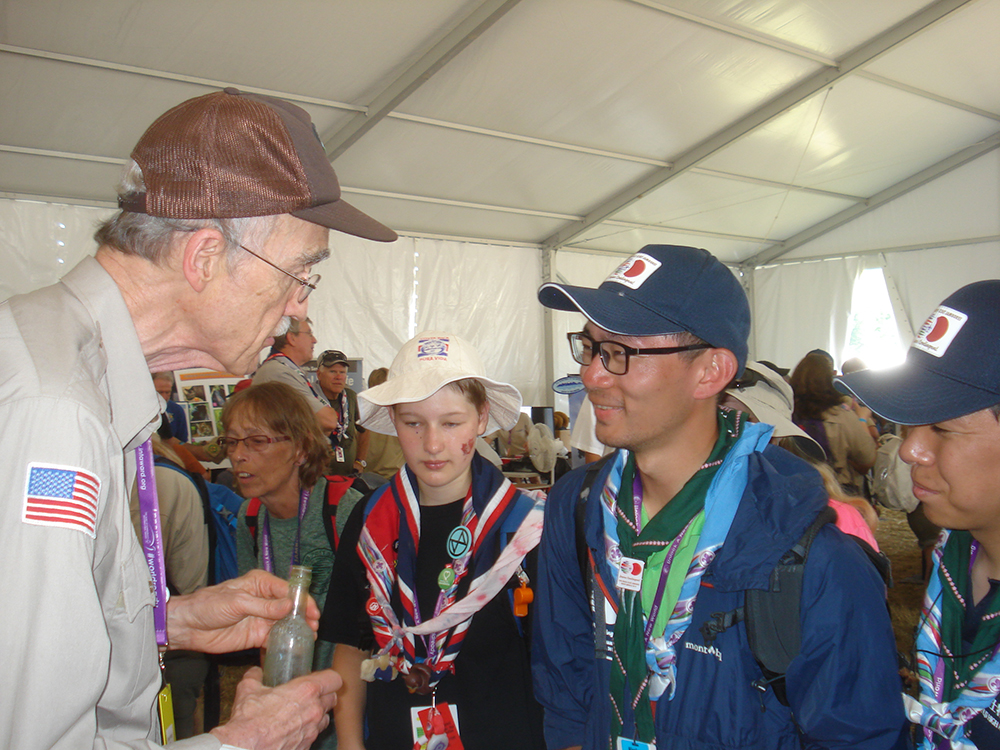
255,443
307,284
615,356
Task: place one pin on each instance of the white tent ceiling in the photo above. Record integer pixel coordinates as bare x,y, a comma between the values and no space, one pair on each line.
750,127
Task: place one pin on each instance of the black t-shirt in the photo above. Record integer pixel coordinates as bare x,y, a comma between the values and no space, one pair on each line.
491,685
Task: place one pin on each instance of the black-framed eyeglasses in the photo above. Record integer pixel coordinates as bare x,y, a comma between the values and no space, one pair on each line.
615,356
307,284
255,443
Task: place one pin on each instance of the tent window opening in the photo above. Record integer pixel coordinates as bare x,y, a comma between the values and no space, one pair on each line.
872,332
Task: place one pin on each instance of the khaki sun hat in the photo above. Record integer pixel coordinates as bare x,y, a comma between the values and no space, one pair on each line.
424,365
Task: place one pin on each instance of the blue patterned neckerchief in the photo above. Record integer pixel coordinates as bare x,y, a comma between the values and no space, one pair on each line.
721,502
944,721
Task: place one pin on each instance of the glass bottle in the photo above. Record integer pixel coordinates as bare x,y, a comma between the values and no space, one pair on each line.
290,642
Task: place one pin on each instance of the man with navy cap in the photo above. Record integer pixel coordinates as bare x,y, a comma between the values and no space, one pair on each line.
639,637
949,390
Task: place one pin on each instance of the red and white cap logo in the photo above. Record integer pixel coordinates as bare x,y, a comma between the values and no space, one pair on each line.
634,272
940,330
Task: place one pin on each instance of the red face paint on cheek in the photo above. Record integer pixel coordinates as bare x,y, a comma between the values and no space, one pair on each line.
467,447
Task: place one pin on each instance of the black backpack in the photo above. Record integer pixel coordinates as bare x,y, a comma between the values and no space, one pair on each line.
772,616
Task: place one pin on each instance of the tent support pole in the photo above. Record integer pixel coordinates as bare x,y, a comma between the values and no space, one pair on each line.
548,334
903,324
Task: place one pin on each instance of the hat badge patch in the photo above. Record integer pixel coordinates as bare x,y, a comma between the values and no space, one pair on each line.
432,350
939,330
634,271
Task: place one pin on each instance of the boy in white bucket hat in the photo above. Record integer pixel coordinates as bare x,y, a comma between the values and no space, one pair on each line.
428,606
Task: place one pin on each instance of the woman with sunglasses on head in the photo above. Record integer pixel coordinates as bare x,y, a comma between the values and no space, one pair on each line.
429,607
278,455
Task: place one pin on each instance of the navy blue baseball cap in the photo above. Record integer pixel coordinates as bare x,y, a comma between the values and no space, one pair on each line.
665,289
952,369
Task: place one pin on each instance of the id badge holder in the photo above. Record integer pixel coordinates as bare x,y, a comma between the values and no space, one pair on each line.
340,454
165,711
436,728
626,744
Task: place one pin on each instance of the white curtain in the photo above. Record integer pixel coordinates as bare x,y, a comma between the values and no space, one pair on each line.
39,242
925,277
372,298
801,307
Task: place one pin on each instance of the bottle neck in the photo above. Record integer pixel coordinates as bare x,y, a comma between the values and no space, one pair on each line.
298,595
298,590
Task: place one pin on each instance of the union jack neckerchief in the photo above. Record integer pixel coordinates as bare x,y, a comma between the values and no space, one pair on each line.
394,516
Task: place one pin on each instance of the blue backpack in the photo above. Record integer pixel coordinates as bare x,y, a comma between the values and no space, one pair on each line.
221,506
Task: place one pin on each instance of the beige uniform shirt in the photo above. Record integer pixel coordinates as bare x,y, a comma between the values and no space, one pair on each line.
78,664
283,370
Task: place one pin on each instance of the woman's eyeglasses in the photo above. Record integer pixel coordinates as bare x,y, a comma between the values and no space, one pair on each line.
256,443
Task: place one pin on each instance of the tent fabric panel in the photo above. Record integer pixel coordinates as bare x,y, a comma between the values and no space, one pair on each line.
803,306
467,166
960,204
848,139
293,48
468,223
926,277
627,240
39,242
967,35
604,74
812,24
714,204
486,295
49,177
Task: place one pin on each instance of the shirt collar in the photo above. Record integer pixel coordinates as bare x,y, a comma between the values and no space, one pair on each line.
135,409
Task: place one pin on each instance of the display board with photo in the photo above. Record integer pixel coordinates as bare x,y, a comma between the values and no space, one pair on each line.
203,394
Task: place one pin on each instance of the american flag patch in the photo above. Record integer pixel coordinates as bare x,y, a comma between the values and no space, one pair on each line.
61,496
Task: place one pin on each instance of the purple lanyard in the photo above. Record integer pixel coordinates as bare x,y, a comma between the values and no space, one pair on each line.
654,609
267,551
152,536
661,586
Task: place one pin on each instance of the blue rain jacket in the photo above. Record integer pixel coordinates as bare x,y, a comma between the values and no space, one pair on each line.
843,688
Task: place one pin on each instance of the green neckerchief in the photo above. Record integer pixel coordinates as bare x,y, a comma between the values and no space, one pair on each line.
651,545
963,666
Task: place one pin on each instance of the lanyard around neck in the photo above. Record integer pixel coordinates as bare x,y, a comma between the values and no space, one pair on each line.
152,536
267,550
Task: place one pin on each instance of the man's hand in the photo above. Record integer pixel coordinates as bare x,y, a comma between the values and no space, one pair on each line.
288,717
231,616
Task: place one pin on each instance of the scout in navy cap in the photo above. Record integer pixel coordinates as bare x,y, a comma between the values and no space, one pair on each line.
665,289
949,390
693,509
952,369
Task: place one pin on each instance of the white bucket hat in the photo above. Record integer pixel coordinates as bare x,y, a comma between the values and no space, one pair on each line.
770,399
424,365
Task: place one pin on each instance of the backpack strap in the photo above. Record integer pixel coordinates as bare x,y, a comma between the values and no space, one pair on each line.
336,486
585,559
253,509
774,630
206,506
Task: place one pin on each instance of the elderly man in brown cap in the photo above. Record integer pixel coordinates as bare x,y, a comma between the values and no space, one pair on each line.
226,208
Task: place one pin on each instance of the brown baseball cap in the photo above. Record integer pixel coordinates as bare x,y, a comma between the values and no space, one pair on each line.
230,155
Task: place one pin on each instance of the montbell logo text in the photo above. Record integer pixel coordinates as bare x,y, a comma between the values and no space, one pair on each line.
710,650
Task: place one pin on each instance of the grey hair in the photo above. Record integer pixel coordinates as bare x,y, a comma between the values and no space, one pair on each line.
150,237
294,326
